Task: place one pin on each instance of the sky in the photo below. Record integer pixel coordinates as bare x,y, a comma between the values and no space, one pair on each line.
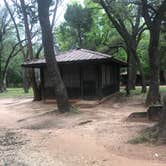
61,10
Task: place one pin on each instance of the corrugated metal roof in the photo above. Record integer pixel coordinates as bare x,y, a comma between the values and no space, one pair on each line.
75,55
80,54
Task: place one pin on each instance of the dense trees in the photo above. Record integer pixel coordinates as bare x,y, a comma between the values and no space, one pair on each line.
126,18
115,27
8,46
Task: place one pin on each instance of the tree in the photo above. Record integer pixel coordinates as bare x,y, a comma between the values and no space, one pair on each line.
131,36
153,14
25,71
80,19
36,89
4,27
161,137
54,14
98,37
52,66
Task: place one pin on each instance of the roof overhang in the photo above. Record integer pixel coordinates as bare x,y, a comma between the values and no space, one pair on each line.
33,64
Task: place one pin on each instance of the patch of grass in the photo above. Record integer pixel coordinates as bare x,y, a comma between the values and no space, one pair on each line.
137,91
16,92
163,88
74,110
149,135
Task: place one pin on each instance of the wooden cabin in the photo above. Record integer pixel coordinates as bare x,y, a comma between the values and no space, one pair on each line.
86,74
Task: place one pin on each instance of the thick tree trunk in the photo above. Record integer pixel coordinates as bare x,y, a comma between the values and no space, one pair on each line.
52,66
131,72
133,64
26,83
2,87
4,81
153,96
144,89
35,87
164,76
162,125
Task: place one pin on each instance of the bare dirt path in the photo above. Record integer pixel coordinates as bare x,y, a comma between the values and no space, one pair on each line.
32,135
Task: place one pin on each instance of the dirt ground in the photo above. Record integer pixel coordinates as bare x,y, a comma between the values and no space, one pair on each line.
32,134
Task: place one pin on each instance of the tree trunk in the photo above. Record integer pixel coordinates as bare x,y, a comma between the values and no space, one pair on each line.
26,82
162,125
35,87
30,51
52,66
164,76
144,89
153,96
2,87
131,72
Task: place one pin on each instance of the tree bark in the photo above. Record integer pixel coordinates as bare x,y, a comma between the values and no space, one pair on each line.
164,76
153,96
139,65
52,66
162,125
26,82
131,72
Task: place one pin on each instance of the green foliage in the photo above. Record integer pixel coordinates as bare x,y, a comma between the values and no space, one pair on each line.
14,74
79,19
100,35
85,26
142,52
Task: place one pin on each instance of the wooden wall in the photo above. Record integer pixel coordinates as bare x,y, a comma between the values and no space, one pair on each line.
110,78
84,80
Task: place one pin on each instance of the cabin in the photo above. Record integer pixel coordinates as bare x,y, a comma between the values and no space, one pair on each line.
86,74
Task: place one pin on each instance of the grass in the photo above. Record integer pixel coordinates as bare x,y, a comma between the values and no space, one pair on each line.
149,135
163,88
16,92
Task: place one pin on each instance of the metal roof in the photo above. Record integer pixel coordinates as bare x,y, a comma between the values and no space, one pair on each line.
76,55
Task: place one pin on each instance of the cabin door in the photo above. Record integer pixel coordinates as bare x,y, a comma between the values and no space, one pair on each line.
89,81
